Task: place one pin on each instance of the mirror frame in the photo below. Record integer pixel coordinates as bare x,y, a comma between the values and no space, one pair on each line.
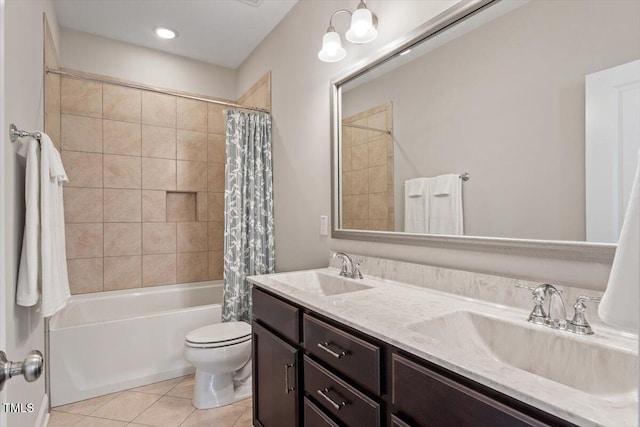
557,249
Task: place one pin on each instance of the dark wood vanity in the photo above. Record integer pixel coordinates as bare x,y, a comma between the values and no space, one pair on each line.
311,371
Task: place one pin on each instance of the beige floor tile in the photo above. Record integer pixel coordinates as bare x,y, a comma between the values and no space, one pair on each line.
246,419
126,406
166,412
184,389
246,403
63,419
225,416
161,387
100,422
86,407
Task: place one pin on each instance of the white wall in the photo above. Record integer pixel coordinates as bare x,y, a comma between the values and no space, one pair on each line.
300,106
23,103
99,55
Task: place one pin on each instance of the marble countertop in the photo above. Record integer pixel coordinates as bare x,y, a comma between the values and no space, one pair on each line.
388,309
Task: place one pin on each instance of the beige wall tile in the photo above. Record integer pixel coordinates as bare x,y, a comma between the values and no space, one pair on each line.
83,169
361,224
202,206
360,156
158,174
81,97
181,207
378,225
216,206
215,177
377,121
121,171
85,275
347,183
84,240
122,205
378,206
158,109
192,236
122,239
158,142
191,176
346,159
158,238
378,152
82,204
121,138
81,133
358,136
193,267
192,145
122,272
154,206
216,235
356,207
52,93
217,122
192,115
216,265
360,182
158,269
121,103
217,149
52,128
378,179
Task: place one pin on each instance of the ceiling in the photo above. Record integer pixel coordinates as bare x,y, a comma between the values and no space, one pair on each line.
220,32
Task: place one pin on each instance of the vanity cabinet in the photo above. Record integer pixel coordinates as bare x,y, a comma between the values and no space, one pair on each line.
312,371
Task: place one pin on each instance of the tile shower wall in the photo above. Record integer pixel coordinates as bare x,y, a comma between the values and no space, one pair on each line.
145,199
367,171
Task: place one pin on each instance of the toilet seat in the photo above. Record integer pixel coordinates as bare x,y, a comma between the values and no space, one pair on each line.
219,335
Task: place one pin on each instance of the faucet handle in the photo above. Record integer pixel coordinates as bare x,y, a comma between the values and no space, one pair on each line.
538,315
579,324
532,289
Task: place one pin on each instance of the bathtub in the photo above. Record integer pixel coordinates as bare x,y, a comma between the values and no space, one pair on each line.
112,341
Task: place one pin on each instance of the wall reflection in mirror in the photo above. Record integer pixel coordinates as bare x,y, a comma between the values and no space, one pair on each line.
538,101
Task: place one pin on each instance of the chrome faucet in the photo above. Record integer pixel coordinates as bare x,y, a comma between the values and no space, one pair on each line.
546,293
350,268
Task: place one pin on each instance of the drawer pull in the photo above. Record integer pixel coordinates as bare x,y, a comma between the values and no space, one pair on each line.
288,389
325,393
325,347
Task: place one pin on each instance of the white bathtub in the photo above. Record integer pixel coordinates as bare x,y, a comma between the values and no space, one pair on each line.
112,341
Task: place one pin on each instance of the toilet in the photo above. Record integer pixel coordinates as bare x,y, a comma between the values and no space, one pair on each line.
221,354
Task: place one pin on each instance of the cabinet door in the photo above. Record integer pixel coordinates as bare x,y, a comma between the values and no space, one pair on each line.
275,380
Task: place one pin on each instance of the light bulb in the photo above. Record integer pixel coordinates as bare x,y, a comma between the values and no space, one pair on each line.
362,29
165,33
332,50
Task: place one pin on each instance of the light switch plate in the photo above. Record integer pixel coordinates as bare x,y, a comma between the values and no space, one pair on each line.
324,225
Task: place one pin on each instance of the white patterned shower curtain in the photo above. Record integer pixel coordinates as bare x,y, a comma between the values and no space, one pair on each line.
248,207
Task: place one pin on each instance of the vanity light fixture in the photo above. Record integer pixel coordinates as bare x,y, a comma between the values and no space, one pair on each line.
362,30
165,33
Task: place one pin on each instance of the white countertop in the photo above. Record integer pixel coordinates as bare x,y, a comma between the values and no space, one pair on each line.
385,311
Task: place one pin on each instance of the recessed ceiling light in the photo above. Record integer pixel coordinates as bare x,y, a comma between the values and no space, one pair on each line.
165,33
405,52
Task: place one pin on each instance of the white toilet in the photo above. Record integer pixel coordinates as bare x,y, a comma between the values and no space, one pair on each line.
221,354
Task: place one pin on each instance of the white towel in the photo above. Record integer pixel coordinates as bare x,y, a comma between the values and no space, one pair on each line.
51,251
444,183
445,211
416,205
27,293
620,304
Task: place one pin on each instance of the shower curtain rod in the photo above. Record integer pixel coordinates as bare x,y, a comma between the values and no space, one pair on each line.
388,132
150,89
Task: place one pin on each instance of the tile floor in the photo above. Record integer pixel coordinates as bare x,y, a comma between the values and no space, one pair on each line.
163,404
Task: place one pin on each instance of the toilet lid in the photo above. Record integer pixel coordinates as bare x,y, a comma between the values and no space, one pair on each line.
219,334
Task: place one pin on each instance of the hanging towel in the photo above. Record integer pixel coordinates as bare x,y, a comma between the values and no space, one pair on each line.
445,210
27,293
50,253
620,305
416,205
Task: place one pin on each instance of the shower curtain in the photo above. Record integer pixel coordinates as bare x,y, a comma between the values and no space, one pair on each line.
248,208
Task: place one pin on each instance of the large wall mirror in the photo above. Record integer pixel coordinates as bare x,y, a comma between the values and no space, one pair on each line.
508,124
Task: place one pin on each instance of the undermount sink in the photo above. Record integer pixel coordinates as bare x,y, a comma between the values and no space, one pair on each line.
320,283
593,368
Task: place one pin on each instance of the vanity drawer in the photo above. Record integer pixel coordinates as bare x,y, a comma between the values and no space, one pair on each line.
315,417
338,398
351,356
280,316
430,399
